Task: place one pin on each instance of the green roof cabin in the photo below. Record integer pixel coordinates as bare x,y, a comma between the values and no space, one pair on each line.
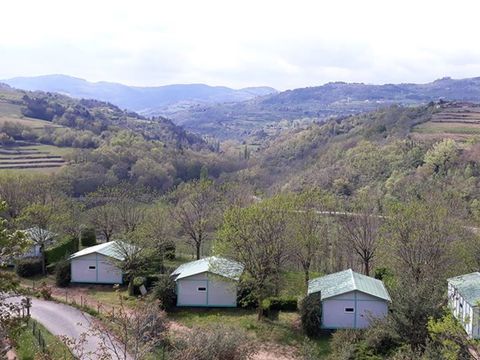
350,300
208,282
463,300
97,264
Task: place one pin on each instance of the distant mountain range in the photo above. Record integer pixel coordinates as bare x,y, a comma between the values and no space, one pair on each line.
227,113
160,100
317,103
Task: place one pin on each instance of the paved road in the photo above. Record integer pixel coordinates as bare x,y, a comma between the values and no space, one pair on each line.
65,320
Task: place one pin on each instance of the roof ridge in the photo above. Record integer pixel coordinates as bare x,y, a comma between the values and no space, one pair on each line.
353,279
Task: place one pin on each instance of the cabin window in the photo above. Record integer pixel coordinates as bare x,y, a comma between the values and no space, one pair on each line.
349,310
202,289
92,267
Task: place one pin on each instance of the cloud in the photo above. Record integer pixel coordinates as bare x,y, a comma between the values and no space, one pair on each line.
284,44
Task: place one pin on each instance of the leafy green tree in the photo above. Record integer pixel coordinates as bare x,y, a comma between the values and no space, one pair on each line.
442,156
448,338
255,236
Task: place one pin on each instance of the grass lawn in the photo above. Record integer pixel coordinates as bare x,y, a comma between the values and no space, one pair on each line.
285,331
26,344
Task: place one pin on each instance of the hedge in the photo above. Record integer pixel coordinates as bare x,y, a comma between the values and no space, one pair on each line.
311,314
62,273
28,267
282,303
88,237
60,251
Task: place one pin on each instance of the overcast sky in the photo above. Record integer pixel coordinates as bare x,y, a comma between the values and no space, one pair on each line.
237,43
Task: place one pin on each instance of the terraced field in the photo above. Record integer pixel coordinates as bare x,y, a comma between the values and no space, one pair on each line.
459,121
39,157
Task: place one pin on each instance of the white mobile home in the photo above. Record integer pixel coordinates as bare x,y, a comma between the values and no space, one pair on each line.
209,282
349,299
96,265
463,299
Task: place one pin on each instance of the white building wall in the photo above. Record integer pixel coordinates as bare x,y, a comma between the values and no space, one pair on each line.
365,308
95,269
464,312
206,290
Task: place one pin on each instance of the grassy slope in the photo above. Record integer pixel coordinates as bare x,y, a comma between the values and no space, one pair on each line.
26,345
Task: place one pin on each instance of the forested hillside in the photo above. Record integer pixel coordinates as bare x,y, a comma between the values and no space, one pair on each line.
398,152
96,143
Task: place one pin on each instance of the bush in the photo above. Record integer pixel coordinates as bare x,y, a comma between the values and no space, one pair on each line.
60,251
311,314
164,291
245,297
281,304
273,305
137,283
88,238
215,342
170,252
62,273
45,291
29,267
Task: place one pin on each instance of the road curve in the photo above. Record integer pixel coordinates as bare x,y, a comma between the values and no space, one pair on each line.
61,319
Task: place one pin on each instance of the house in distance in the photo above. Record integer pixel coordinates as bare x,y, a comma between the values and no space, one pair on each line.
463,300
208,282
349,299
96,264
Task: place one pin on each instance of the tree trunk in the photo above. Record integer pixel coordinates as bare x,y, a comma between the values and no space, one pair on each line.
307,278
44,263
198,245
260,308
130,286
367,267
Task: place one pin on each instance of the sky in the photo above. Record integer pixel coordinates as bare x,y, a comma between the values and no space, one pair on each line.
283,44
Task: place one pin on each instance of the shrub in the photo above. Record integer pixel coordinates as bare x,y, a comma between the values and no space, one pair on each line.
311,314
245,297
137,283
164,291
45,291
62,273
170,251
88,237
281,303
215,342
58,252
29,267
273,305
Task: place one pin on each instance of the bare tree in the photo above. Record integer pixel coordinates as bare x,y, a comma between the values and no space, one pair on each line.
308,228
195,211
360,234
104,219
39,219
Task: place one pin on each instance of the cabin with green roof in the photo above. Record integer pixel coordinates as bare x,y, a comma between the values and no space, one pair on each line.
208,282
97,264
350,300
463,300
